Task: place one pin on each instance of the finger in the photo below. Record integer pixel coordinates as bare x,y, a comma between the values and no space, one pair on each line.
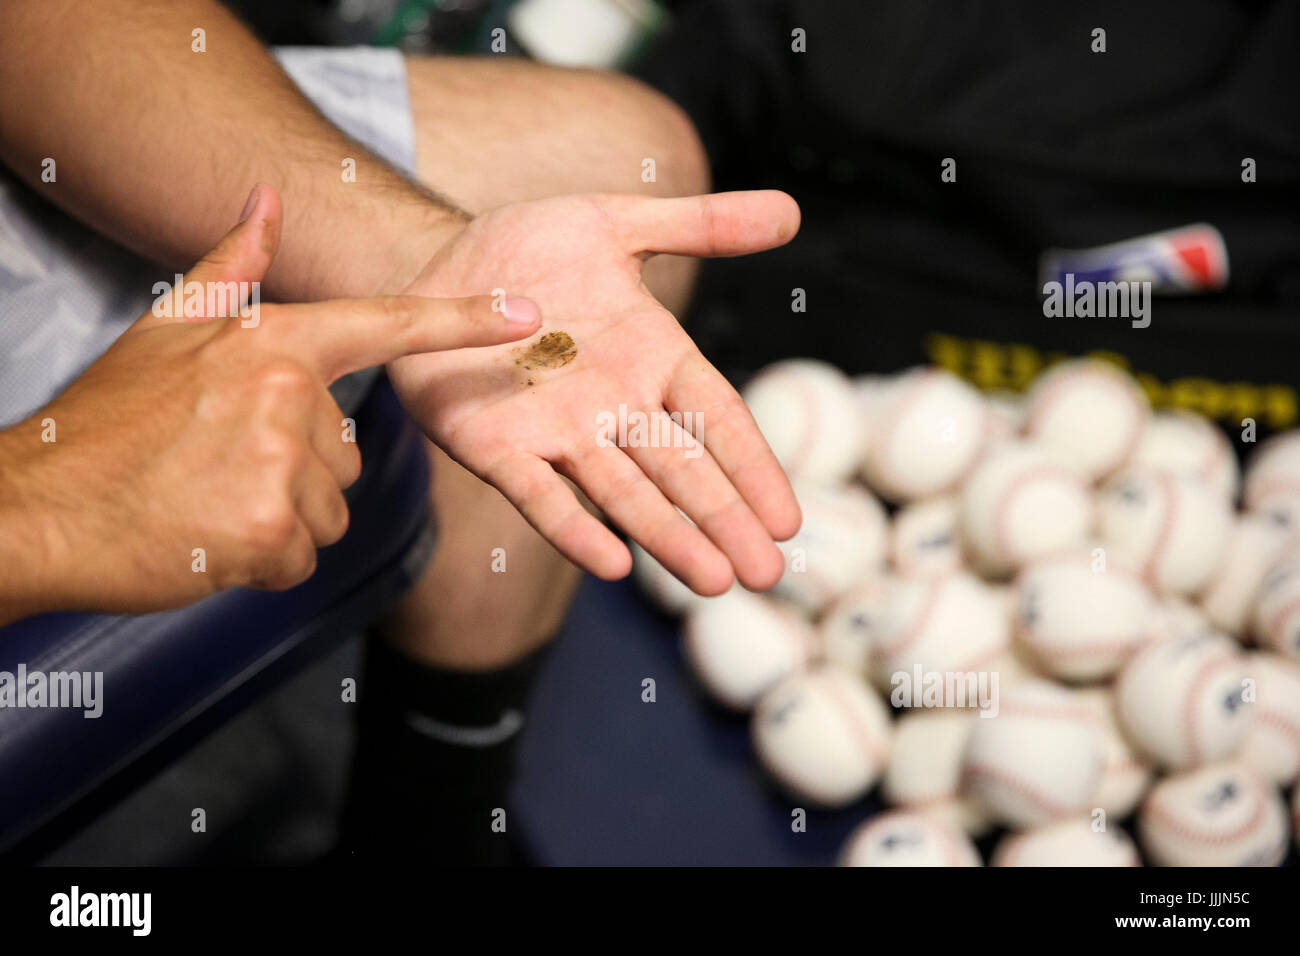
679,464
736,444
622,491
334,443
550,506
319,502
344,335
242,256
720,224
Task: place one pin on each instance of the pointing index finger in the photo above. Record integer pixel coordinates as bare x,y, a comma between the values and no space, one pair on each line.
345,335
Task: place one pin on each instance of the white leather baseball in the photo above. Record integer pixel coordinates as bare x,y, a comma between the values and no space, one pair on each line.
841,541
740,644
1186,443
1276,615
908,839
927,426
1272,480
1176,616
1006,417
849,628
1071,842
1255,542
949,624
924,772
1087,414
1040,759
1126,776
1272,744
925,538
1180,701
658,583
1080,619
809,414
1172,528
1019,504
823,735
1224,814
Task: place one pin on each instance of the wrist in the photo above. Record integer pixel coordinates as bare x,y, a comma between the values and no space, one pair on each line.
413,242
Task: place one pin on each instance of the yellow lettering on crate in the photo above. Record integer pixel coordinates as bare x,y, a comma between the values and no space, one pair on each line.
1013,365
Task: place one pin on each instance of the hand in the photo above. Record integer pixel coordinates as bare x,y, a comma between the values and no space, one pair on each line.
519,425
211,435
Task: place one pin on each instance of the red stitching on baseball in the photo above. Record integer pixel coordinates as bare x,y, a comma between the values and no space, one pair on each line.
1001,511
1013,783
1055,388
934,587
1274,630
1166,816
870,746
1191,722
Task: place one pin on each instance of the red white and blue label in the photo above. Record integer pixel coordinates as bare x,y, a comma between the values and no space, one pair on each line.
1187,260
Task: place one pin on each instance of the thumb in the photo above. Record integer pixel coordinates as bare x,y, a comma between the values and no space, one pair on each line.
242,255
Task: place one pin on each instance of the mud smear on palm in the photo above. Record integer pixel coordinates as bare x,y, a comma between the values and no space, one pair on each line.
552,350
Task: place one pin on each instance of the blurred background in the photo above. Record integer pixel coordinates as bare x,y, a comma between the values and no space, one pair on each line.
1056,147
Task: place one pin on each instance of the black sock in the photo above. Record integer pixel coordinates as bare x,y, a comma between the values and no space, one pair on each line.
434,759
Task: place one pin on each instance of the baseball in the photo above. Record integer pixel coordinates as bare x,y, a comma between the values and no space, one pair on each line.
926,428
849,627
841,541
907,839
658,583
739,644
1087,414
1272,744
1255,542
1080,620
947,625
1173,528
924,539
1040,759
823,736
1125,777
1188,444
1276,617
924,771
1006,416
1272,482
809,414
1019,504
1178,617
1221,815
1067,843
1180,701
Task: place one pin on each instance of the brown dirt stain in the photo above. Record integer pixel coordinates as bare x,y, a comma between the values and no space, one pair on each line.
552,350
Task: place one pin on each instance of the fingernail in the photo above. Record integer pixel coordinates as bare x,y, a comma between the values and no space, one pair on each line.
520,310
249,206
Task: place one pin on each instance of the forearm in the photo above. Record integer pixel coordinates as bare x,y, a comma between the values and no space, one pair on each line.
31,563
157,145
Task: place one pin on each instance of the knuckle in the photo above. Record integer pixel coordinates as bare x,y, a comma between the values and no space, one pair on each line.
279,449
272,530
399,310
286,377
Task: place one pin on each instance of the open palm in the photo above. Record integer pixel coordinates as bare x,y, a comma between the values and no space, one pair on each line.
520,416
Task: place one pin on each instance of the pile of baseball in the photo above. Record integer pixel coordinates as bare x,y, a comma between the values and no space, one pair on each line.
1039,615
